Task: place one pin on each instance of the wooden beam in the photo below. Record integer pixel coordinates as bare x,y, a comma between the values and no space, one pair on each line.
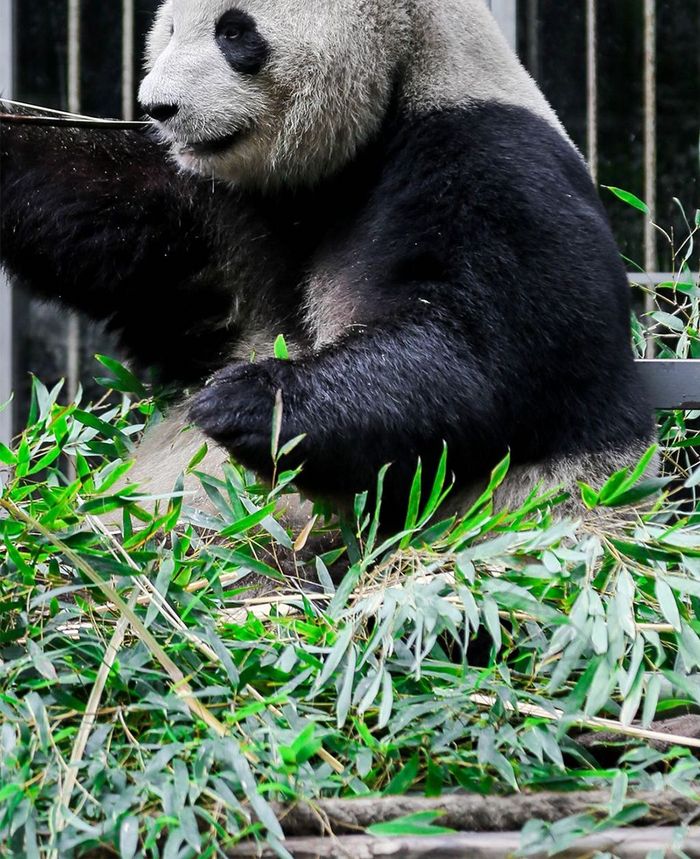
623,843
468,812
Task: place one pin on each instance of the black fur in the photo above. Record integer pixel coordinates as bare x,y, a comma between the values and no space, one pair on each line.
100,222
239,40
487,303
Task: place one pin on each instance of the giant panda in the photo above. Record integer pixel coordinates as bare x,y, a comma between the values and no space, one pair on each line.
381,182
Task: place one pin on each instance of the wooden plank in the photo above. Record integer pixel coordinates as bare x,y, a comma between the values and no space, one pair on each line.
485,827
672,384
623,843
468,812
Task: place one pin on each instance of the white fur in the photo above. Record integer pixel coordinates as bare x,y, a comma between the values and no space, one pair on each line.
164,454
459,56
323,92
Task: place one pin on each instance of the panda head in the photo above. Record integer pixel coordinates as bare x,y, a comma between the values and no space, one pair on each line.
270,92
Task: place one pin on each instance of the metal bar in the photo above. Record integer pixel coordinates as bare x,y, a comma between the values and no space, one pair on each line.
592,86
533,37
654,278
505,13
74,35
74,99
128,59
650,150
6,304
672,384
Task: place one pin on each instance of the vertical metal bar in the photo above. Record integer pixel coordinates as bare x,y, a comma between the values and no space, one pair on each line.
74,36
128,59
592,86
650,149
650,144
533,37
6,308
74,100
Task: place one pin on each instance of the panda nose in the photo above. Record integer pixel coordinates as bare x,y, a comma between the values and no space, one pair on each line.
160,112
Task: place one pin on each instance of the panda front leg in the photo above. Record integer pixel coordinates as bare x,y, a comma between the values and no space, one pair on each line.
101,222
393,394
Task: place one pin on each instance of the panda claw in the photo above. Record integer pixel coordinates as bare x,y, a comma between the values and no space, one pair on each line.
235,410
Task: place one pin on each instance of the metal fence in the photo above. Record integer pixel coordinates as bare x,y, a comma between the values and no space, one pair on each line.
568,47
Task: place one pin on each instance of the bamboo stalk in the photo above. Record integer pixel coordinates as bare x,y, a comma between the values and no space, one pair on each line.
67,122
593,722
89,719
177,678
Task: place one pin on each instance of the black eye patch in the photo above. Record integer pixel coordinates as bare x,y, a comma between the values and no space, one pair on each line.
245,50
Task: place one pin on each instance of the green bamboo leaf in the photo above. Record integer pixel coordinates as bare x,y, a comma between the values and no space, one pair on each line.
280,349
291,445
346,687
589,496
129,837
633,698
413,506
640,492
261,807
404,780
628,198
123,380
668,604
334,658
304,747
492,622
6,455
249,522
387,701
651,700
689,645
198,457
419,824
437,492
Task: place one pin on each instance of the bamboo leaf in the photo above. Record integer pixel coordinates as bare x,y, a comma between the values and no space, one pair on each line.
628,198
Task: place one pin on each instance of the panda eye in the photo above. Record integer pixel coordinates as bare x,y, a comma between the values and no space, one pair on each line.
233,26
231,32
240,42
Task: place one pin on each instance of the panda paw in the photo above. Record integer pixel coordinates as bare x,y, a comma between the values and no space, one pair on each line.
236,410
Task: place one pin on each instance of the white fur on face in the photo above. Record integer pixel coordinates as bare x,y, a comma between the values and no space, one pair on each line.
322,93
333,67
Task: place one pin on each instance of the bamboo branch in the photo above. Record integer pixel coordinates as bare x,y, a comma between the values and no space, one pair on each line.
65,122
89,719
180,684
593,722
